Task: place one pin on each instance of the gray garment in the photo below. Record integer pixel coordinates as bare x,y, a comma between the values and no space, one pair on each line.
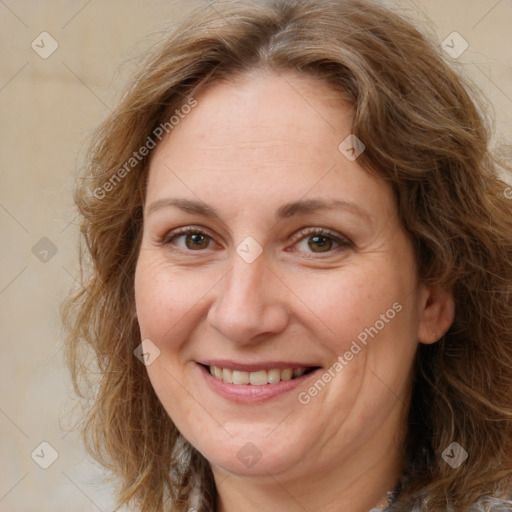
484,505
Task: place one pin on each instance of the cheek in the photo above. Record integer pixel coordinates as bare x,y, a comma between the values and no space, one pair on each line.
167,303
164,298
344,305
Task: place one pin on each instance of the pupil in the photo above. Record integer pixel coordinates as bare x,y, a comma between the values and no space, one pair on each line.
319,243
196,241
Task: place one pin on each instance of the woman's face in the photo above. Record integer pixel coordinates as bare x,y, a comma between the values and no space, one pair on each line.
268,252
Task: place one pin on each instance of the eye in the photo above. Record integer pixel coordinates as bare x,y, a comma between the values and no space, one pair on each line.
189,238
311,240
320,240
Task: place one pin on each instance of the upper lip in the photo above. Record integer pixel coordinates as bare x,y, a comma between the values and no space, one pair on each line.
253,367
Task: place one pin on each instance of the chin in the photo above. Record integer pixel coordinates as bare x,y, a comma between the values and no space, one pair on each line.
253,454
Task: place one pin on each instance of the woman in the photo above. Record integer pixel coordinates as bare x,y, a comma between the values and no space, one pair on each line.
299,296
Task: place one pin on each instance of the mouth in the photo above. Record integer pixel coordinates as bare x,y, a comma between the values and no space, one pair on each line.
260,377
254,383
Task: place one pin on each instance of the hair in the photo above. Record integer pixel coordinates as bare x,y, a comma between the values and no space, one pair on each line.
425,133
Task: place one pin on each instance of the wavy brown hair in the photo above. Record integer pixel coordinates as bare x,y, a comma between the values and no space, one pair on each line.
425,133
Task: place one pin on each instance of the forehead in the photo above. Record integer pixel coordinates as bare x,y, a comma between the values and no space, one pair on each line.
263,137
264,108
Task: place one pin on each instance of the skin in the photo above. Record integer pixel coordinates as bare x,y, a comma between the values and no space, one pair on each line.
249,147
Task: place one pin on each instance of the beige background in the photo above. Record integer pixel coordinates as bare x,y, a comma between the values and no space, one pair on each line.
48,108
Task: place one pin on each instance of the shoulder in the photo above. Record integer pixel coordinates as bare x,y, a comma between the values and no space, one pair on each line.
492,505
484,505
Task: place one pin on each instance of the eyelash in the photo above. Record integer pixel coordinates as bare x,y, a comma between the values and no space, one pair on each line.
341,242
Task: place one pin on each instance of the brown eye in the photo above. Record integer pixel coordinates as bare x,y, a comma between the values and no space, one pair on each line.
192,240
320,243
195,241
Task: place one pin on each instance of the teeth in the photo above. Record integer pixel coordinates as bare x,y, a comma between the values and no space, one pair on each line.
227,375
258,378
240,377
287,374
273,376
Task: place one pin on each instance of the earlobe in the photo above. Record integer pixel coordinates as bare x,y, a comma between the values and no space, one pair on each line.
436,314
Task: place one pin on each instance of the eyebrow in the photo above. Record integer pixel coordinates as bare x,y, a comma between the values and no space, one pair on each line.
187,205
285,211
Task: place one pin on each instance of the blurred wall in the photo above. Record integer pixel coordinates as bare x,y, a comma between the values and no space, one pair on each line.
51,98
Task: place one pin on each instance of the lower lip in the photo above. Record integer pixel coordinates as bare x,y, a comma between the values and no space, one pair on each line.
249,393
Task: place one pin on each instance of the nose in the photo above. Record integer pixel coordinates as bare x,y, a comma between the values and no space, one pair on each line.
249,303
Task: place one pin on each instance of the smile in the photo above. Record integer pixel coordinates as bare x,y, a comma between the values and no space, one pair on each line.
257,378
253,383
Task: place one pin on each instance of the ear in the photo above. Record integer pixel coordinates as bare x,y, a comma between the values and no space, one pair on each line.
437,311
